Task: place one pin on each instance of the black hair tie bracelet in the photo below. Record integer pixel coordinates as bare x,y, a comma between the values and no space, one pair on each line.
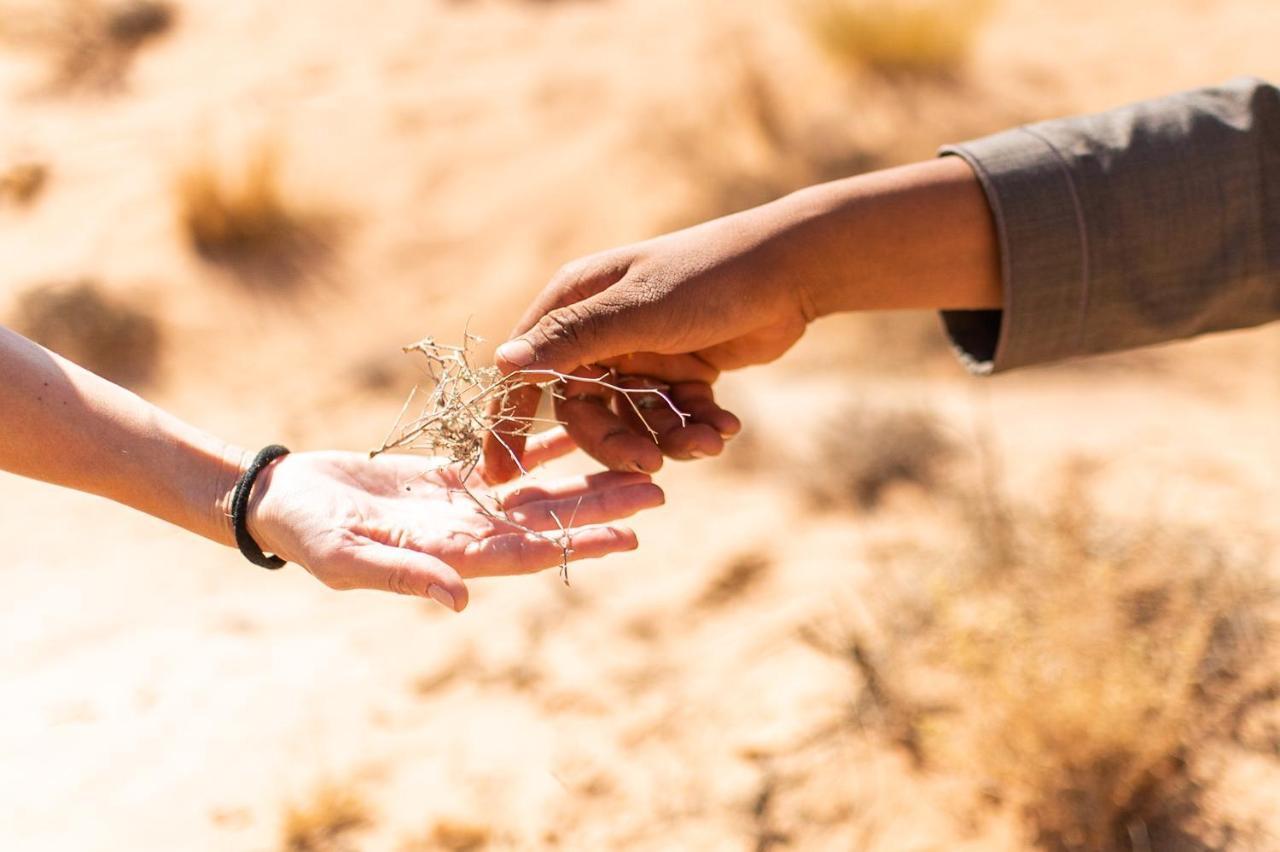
240,508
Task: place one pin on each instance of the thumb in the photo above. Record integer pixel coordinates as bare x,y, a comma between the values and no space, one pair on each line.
576,335
409,572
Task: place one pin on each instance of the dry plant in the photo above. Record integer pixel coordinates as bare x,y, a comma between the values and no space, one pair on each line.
325,822
250,225
115,338
468,403
22,183
451,835
738,577
862,452
930,38
90,43
1088,674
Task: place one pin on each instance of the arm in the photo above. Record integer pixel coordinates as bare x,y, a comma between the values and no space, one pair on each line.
62,424
740,290
1072,237
397,523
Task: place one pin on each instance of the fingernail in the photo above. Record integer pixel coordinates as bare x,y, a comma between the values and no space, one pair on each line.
442,597
518,353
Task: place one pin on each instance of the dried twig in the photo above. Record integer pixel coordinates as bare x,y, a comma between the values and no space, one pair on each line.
466,403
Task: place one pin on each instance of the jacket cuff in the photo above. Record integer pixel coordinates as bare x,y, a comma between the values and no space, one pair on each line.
1043,256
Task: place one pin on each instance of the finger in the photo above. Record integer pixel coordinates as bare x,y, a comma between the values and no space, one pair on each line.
574,282
665,368
698,401
504,443
409,572
547,446
649,410
570,487
528,552
602,326
604,436
663,414
596,507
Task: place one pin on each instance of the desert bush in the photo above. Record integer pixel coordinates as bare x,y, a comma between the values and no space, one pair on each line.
326,821
451,835
90,43
862,451
118,339
22,183
739,576
250,225
899,37
1086,672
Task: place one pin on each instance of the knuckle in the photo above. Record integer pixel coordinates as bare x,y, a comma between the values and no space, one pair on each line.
399,581
569,324
570,275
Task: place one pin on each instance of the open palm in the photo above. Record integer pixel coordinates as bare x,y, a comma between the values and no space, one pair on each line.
407,525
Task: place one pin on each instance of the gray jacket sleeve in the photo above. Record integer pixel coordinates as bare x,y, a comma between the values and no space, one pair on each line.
1148,223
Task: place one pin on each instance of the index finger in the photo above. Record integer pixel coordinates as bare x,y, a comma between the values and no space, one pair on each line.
573,282
504,442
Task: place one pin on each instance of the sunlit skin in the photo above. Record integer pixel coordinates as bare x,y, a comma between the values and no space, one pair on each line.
403,524
741,290
394,523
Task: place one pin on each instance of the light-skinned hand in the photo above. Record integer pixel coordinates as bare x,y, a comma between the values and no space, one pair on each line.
400,523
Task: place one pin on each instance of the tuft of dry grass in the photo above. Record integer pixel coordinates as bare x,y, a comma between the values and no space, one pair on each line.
930,38
469,403
451,835
250,225
862,452
118,339
738,577
1087,673
90,44
23,183
326,821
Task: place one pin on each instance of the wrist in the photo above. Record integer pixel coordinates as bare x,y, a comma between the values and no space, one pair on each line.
909,238
810,239
260,516
234,461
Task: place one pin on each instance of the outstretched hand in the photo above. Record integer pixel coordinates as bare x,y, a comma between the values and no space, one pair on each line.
675,310
403,524
740,290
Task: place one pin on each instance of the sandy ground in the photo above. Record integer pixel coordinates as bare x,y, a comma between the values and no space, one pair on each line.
158,693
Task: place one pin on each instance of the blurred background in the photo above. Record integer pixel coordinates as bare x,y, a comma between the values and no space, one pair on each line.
906,610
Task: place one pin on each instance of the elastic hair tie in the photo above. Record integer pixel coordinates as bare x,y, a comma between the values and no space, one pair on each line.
240,508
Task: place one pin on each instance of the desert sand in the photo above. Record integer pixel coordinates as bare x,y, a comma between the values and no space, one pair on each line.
161,694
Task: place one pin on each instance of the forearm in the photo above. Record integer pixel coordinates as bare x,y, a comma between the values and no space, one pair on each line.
64,425
915,237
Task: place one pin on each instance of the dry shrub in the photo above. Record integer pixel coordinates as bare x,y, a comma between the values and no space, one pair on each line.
22,183
451,835
250,226
862,452
738,577
118,339
1091,675
930,38
326,822
90,43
